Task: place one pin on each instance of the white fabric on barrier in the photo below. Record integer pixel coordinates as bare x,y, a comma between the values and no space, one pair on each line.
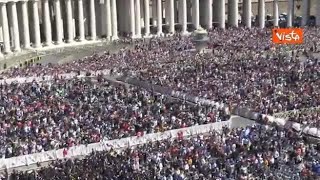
296,126
47,78
83,150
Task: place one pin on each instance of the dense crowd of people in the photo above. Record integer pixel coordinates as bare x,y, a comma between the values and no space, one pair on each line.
241,68
255,152
244,68
38,117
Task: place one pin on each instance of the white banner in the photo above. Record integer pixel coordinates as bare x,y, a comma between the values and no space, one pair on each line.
83,150
48,78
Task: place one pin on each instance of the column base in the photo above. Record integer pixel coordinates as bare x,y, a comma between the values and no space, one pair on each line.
185,33
37,47
80,39
160,34
147,36
69,41
28,47
48,44
113,38
136,36
93,38
170,34
58,42
7,52
16,50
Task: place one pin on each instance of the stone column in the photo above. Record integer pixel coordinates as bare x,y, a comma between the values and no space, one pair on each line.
132,19
196,14
276,13
154,13
171,14
233,13
159,13
81,20
14,20
108,18
93,28
221,6
25,25
184,16
305,12
69,21
147,17
290,13
58,19
36,24
247,13
138,18
180,11
114,19
167,12
209,15
47,22
5,28
318,14
262,13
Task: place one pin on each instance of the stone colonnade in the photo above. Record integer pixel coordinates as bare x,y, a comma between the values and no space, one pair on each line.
33,24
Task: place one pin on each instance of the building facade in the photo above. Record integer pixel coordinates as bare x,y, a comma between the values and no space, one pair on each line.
34,24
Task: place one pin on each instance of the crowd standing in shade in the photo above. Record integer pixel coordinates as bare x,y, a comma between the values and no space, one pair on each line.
38,117
255,152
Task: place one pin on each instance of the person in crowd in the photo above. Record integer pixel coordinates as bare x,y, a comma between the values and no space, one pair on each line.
38,117
254,152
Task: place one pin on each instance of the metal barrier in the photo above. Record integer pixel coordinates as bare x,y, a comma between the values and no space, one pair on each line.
287,114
